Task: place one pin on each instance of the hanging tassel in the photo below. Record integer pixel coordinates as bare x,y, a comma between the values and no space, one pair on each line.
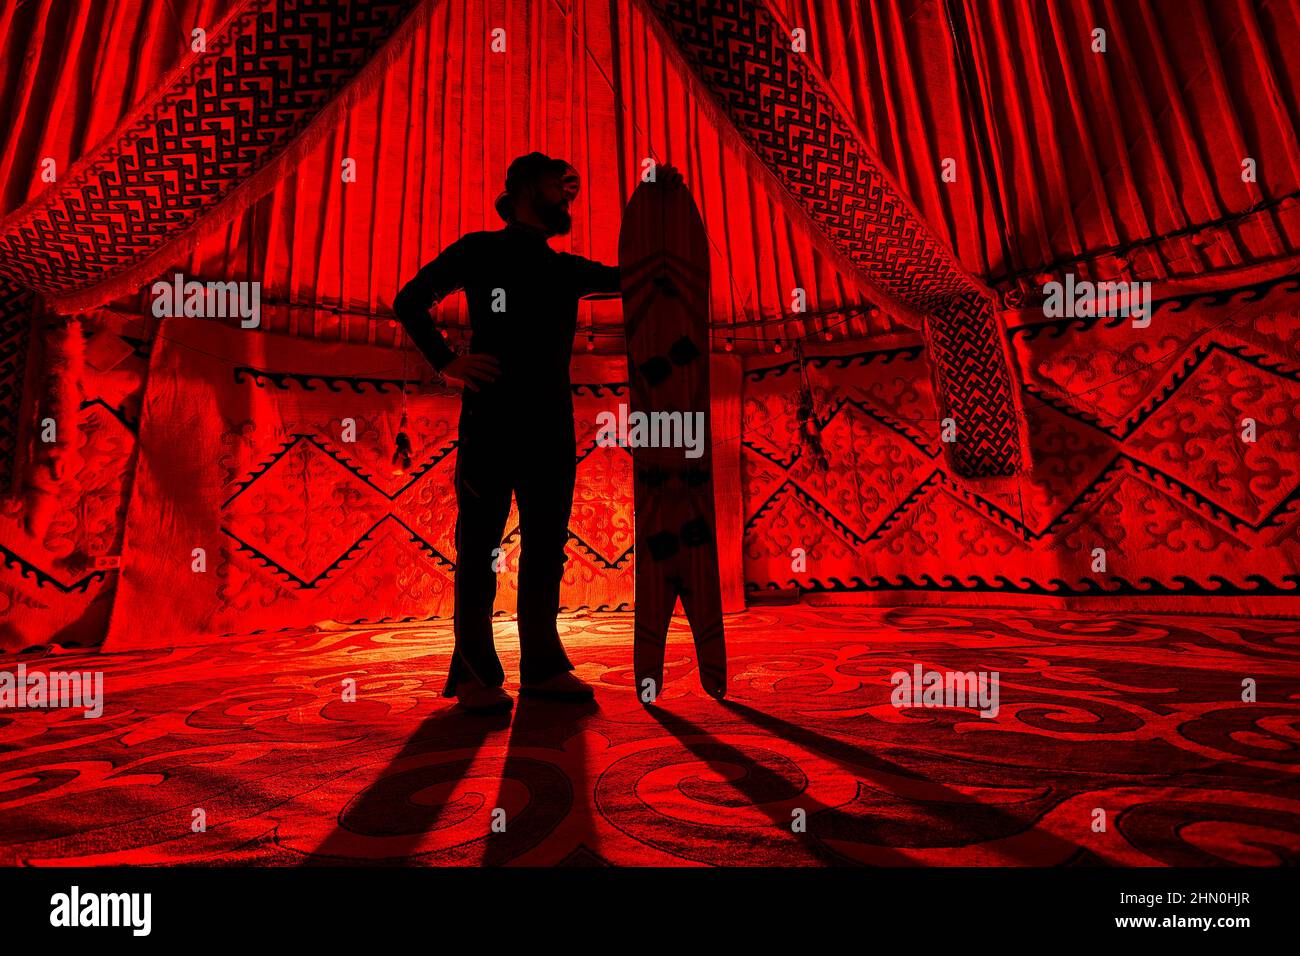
810,429
403,454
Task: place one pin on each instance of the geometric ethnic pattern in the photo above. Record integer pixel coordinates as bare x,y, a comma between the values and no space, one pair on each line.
224,116
741,54
1140,714
1143,491
314,513
286,479
325,549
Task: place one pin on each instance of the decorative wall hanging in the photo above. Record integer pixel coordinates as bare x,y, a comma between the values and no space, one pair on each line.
218,132
788,117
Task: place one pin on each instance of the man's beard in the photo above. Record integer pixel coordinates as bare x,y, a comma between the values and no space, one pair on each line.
556,219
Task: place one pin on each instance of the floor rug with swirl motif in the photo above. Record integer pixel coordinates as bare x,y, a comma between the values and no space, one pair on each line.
1117,740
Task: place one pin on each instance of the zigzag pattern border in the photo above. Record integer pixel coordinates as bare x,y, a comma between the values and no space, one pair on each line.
282,381
1100,484
265,561
264,378
133,426
855,359
355,469
278,570
1256,292
974,583
1189,365
11,559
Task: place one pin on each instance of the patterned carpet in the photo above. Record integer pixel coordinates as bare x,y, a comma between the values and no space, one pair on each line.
1138,716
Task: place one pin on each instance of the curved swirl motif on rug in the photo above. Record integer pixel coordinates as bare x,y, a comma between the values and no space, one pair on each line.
1137,716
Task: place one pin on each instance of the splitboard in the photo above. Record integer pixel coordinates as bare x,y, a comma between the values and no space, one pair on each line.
663,256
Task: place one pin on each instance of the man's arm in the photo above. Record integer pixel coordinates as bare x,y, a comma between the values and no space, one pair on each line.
411,305
441,277
594,278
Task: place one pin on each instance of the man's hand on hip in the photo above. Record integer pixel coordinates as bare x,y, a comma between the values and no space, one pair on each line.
473,370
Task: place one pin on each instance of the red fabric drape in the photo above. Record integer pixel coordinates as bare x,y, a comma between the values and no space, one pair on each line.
71,69
1088,154
239,108
432,142
1086,151
1074,152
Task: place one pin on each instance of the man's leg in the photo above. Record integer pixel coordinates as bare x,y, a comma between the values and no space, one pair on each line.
483,505
544,493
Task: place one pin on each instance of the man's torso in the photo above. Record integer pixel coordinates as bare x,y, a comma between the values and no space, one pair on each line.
523,308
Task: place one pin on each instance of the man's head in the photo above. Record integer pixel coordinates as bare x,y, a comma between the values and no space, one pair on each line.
538,192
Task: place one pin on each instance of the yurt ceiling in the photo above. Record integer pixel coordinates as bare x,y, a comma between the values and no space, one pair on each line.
1123,164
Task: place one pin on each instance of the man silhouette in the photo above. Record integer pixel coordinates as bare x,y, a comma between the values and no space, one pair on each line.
516,421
